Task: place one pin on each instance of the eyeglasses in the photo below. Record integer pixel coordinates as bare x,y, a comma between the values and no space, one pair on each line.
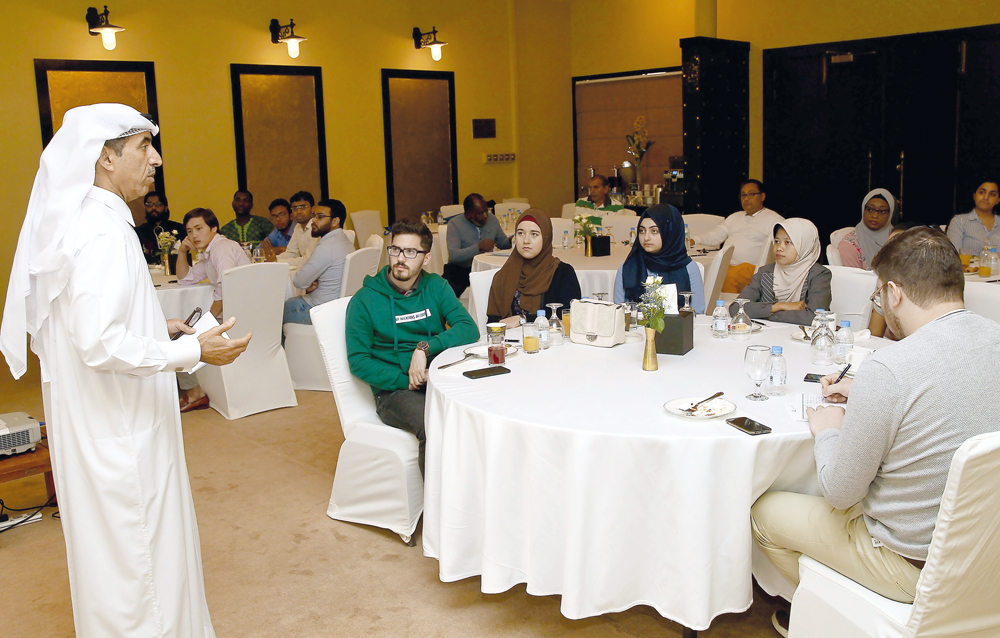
749,195
320,216
156,204
300,207
877,298
409,253
880,211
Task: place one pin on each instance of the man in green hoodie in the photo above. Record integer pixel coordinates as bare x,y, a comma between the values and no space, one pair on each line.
400,320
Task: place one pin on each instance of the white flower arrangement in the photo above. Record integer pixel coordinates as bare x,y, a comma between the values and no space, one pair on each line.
652,302
165,241
586,224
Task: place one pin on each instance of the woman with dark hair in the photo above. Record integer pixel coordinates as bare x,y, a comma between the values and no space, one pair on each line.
969,231
532,276
795,285
659,250
858,247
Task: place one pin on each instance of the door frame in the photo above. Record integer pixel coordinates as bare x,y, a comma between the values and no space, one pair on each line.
388,74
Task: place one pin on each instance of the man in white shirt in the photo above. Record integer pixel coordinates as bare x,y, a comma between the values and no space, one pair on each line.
80,286
322,274
302,243
746,231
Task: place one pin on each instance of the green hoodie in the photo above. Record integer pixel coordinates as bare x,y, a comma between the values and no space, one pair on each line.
384,327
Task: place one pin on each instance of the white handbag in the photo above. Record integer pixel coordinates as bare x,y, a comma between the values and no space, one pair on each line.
596,323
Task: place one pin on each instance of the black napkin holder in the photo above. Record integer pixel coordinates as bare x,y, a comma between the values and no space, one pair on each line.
678,334
600,246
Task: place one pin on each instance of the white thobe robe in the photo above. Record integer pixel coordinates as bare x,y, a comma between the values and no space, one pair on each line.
115,437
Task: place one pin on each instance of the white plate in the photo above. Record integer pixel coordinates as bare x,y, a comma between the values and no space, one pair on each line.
708,410
483,351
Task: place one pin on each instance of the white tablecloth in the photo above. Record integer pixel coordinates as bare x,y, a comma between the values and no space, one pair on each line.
568,475
596,274
179,301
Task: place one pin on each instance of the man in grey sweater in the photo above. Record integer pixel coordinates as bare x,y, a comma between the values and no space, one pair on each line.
321,276
475,232
882,465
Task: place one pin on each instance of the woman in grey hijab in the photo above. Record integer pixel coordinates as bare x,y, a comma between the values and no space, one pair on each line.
858,248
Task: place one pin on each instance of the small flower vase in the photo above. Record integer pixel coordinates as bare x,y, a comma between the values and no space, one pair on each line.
638,175
165,257
587,251
649,356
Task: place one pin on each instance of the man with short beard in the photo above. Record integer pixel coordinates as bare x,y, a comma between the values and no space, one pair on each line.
157,221
322,274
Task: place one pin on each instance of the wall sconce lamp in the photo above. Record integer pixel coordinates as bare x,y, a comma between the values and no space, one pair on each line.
287,35
99,25
428,40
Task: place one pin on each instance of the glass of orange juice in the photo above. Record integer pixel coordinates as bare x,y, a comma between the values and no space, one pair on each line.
966,260
529,340
565,321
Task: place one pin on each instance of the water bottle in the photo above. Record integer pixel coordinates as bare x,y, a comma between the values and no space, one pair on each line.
843,342
687,235
778,375
821,348
440,218
565,240
720,320
631,236
994,262
543,330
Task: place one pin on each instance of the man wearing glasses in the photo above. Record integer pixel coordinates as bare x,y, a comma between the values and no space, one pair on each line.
322,274
746,231
157,221
284,227
399,320
302,243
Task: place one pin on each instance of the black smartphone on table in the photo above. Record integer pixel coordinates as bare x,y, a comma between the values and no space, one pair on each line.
486,372
749,425
812,377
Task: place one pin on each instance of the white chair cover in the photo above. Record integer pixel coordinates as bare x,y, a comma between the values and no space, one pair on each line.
569,211
367,223
451,210
377,481
376,242
305,363
559,225
515,200
259,379
957,591
350,234
479,296
766,253
620,225
441,244
358,265
713,279
699,223
832,254
851,290
983,299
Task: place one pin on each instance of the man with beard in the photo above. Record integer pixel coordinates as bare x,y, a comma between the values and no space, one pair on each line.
157,221
400,320
321,276
883,465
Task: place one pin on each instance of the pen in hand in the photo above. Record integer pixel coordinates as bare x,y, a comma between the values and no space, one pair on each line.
841,376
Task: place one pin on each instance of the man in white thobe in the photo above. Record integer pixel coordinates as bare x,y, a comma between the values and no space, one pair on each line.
80,286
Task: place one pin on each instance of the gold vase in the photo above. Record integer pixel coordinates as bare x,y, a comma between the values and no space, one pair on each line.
166,263
587,251
649,355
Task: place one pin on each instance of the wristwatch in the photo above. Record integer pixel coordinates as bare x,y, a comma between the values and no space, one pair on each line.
424,347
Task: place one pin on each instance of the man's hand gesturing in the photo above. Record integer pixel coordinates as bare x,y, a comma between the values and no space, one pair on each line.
216,349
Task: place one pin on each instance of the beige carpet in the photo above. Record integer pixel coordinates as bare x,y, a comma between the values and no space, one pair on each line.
276,565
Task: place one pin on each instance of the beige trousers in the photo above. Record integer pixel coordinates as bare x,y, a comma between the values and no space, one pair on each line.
786,525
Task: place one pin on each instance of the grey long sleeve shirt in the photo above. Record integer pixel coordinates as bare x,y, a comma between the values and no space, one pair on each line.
326,264
464,238
912,404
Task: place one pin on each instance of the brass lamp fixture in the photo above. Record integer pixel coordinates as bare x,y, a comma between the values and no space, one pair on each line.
99,25
428,40
287,35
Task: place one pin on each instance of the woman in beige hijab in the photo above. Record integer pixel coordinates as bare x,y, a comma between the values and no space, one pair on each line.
795,285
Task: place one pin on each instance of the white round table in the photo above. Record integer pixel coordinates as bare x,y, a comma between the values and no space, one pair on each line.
179,301
568,475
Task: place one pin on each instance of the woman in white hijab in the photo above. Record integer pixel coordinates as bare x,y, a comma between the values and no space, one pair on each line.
795,285
858,247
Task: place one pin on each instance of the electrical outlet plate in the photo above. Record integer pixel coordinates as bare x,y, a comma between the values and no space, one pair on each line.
497,158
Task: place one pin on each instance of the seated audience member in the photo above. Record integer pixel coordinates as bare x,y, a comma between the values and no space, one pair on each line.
157,221
281,217
220,255
876,323
969,231
475,232
795,285
532,276
400,320
246,228
746,231
858,247
882,466
302,243
322,274
599,197
659,250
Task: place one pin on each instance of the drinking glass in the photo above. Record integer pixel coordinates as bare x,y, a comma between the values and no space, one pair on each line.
555,326
741,326
631,236
756,363
687,302
600,295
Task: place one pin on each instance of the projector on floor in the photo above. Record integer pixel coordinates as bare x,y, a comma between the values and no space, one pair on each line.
18,433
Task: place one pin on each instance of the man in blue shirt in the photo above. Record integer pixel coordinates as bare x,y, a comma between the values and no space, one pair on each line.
281,217
475,232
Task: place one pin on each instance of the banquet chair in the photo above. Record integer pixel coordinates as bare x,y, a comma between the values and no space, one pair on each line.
715,274
377,480
515,200
479,296
450,210
832,254
559,225
851,290
376,242
956,592
351,235
983,299
358,265
441,244
620,225
699,223
367,223
569,211
258,380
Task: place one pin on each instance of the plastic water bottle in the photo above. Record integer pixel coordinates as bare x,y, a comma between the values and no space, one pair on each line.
778,375
843,342
565,240
994,262
720,320
687,235
543,330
